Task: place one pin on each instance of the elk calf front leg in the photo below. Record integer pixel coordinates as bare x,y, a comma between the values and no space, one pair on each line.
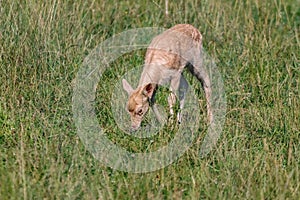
158,115
154,107
183,88
171,102
179,84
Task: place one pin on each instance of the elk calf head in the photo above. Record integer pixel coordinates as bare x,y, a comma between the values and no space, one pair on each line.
138,102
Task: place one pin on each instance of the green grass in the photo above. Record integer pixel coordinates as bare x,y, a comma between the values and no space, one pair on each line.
42,45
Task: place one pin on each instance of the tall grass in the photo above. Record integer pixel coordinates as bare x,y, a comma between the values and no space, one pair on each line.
256,45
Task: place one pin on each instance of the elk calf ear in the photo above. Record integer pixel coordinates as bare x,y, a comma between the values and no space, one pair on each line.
127,87
149,89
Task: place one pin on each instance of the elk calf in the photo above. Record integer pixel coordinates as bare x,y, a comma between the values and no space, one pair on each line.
167,55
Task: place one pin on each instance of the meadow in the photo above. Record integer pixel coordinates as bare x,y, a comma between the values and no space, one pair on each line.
256,47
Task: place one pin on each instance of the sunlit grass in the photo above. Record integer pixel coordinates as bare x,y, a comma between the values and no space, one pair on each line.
256,47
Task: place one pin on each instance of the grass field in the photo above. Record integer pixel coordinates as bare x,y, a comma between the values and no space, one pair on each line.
256,46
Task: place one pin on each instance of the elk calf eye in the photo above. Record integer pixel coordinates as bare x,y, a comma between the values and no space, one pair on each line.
139,112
